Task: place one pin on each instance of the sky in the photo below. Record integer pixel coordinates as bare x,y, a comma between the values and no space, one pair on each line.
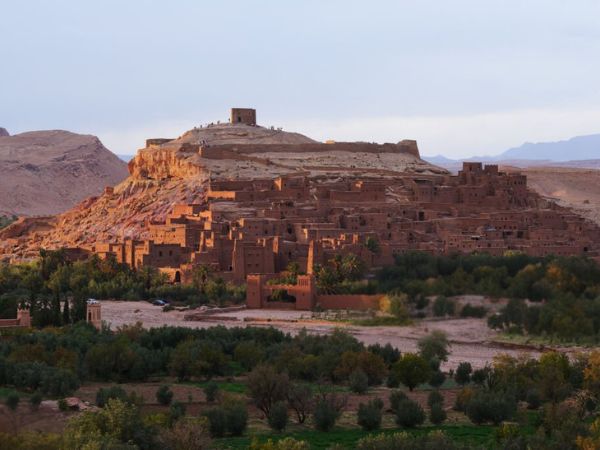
462,77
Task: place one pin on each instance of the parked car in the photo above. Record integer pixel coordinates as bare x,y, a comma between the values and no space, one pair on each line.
160,302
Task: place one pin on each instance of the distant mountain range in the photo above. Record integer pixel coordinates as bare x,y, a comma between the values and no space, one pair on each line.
579,151
574,149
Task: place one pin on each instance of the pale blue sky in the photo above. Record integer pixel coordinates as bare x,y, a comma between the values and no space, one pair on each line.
461,77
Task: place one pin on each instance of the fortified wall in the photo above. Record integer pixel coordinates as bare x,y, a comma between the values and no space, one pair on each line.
302,296
229,151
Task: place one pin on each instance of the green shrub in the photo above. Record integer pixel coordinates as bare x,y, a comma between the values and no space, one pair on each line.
62,405
35,400
104,394
164,395
369,415
211,390
392,380
437,414
409,414
533,397
473,311
325,415
217,421
395,398
434,346
463,398
12,400
236,417
480,375
358,382
176,412
267,386
412,370
443,306
463,373
437,378
301,400
434,398
278,416
491,407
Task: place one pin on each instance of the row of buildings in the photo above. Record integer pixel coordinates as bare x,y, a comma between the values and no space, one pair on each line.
258,226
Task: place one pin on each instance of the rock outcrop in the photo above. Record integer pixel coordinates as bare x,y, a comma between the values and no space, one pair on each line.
48,172
3,132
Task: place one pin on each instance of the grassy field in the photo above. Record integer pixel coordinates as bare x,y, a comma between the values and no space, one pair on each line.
483,435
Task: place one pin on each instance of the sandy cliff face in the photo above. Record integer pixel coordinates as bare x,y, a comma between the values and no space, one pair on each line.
47,172
168,172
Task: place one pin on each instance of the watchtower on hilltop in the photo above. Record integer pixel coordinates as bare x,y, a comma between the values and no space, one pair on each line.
247,116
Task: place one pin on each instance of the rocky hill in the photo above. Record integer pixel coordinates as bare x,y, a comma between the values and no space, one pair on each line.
171,171
48,172
572,187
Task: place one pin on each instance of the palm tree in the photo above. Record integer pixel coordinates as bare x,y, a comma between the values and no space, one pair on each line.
202,274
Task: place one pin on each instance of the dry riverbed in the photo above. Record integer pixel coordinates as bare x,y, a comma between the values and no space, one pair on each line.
471,338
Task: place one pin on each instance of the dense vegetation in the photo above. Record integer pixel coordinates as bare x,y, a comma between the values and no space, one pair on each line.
56,361
56,289
553,296
296,381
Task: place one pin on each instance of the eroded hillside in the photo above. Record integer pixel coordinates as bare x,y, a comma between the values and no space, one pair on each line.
48,172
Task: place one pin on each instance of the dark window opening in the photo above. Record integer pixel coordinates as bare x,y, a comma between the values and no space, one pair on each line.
281,295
